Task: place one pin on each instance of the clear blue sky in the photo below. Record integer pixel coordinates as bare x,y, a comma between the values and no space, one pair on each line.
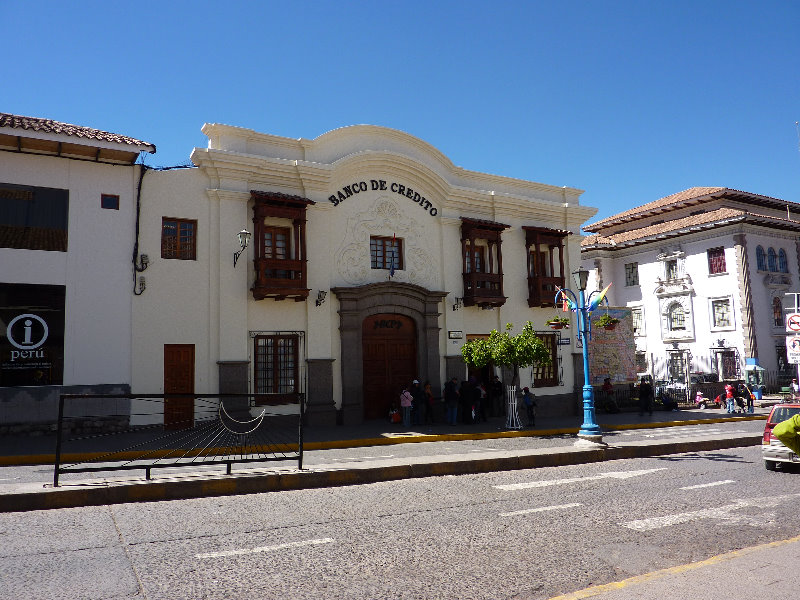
628,100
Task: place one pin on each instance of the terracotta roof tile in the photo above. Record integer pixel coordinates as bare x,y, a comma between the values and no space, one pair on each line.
643,233
691,193
50,126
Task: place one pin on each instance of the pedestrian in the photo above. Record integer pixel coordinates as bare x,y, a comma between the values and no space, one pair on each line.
530,405
406,400
496,397
418,405
430,402
645,397
795,389
451,398
609,403
483,401
729,401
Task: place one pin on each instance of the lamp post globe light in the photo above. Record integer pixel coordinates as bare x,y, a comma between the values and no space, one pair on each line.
590,431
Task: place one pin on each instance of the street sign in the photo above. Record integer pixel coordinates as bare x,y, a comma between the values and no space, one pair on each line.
793,349
793,322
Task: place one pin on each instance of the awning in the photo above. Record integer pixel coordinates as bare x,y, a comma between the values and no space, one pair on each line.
754,368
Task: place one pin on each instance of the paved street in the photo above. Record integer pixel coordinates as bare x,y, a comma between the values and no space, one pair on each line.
515,534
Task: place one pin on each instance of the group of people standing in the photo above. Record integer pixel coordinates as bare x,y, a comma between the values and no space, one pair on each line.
469,401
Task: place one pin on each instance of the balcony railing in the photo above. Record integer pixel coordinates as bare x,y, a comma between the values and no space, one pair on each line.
280,278
542,290
483,289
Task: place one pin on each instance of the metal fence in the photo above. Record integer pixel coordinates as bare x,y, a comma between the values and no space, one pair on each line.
125,432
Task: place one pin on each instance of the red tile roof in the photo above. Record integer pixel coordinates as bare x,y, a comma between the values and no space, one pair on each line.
56,127
692,196
706,220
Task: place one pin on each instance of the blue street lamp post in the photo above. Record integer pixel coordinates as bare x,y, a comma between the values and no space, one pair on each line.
590,431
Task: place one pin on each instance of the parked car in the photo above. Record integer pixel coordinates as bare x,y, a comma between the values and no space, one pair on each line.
773,450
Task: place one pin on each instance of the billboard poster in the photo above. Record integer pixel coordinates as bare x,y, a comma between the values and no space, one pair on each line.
612,352
31,335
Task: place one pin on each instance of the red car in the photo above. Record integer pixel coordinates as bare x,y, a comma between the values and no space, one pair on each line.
772,449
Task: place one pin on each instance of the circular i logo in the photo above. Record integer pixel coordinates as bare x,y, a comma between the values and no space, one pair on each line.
25,328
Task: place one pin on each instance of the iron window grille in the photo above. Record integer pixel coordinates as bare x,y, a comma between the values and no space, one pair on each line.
716,261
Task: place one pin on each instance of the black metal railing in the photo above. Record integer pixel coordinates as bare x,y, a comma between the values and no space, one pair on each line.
125,432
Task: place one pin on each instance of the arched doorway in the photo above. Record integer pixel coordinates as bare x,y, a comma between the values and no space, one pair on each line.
389,355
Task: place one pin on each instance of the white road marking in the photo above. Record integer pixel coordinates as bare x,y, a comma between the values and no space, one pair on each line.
609,475
720,512
264,548
542,509
706,485
680,431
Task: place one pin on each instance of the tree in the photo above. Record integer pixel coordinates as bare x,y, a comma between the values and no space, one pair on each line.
512,351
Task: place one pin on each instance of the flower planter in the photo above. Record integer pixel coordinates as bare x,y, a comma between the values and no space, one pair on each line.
610,327
557,326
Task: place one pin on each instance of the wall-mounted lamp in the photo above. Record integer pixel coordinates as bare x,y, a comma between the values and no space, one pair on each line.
458,303
321,297
244,239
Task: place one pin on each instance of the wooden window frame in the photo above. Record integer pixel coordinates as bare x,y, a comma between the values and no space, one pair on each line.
545,273
379,247
547,375
268,366
179,252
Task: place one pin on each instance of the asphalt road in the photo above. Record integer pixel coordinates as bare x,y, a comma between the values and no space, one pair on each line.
525,534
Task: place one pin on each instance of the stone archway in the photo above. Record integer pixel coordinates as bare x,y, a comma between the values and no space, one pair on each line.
420,305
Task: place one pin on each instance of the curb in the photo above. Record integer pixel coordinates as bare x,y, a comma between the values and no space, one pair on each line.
94,493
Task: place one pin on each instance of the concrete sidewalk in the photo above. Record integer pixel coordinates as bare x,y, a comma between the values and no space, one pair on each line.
539,452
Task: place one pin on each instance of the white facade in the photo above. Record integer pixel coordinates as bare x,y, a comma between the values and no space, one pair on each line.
351,186
84,258
695,256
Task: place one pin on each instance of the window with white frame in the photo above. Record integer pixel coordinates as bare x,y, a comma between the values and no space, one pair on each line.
631,274
638,320
676,318
721,313
671,268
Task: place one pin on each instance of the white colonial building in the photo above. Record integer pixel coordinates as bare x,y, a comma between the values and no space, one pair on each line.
68,203
372,260
705,272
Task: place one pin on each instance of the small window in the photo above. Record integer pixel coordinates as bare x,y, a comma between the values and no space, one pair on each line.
109,201
547,375
677,318
777,312
772,260
386,253
761,259
178,238
716,261
632,274
783,264
671,269
638,320
721,313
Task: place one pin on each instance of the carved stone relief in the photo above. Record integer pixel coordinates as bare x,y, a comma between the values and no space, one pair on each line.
352,259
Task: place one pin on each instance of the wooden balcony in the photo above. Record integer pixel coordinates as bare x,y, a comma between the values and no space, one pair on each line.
483,289
542,290
280,279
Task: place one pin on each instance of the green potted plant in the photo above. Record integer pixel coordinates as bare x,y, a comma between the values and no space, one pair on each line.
558,323
607,322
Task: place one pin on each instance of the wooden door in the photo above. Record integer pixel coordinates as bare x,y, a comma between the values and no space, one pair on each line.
389,345
178,379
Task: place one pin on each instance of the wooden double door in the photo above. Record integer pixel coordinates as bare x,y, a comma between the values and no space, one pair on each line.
389,347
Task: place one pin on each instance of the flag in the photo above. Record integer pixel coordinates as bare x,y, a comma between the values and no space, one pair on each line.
598,299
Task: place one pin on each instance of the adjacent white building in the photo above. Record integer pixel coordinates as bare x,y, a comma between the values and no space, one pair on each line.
68,199
705,272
